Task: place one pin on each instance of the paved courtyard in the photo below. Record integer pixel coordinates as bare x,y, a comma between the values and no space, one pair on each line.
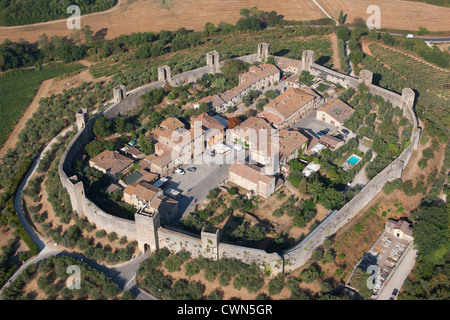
194,186
311,125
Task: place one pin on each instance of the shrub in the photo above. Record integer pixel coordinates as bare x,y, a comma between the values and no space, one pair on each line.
276,284
100,234
112,236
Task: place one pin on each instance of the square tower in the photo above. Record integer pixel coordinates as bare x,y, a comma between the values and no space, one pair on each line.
263,51
212,60
147,225
120,93
210,243
164,74
82,118
308,59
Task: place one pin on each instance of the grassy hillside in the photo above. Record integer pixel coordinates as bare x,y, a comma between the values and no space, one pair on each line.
18,90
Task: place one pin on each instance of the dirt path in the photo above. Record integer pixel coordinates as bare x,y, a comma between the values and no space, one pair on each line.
334,46
46,89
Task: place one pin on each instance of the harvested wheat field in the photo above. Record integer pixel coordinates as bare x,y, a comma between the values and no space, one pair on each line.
395,14
151,15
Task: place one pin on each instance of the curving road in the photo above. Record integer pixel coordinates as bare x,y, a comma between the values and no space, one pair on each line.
123,274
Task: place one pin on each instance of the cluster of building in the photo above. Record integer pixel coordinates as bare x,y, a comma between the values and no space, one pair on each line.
258,77
269,138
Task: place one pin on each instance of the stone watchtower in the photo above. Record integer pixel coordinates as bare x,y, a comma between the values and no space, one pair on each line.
366,77
164,74
408,97
308,59
212,60
82,117
210,243
147,225
120,93
263,52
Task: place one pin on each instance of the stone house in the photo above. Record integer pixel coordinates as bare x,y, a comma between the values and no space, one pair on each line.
289,107
289,143
331,142
251,132
111,163
288,65
257,78
334,112
213,130
150,199
401,229
252,178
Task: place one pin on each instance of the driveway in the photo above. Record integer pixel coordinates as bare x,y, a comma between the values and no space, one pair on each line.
399,276
311,125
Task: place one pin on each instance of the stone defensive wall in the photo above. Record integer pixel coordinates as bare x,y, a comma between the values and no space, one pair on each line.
146,229
301,253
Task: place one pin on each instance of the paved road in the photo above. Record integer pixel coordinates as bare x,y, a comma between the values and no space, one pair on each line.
123,274
399,276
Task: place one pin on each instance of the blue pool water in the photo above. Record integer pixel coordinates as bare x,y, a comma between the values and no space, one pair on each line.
353,159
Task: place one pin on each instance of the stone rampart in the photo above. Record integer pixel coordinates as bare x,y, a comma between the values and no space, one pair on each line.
149,233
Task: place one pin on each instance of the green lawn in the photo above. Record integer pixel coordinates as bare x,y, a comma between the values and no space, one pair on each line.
17,91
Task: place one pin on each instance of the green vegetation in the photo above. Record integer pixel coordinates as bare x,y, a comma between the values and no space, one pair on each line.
14,13
414,70
18,90
51,277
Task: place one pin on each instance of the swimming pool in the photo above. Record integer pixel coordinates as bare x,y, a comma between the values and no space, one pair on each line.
354,159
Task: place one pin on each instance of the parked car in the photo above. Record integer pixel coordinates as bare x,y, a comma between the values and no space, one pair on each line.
211,153
320,134
345,131
191,169
179,171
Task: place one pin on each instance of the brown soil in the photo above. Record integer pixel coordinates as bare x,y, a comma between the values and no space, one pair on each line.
151,15
395,14
334,46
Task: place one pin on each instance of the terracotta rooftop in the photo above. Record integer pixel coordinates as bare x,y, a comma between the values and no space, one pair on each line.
402,225
244,130
288,142
256,73
289,102
250,172
112,161
337,109
134,152
172,124
208,122
212,101
330,141
143,190
284,63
